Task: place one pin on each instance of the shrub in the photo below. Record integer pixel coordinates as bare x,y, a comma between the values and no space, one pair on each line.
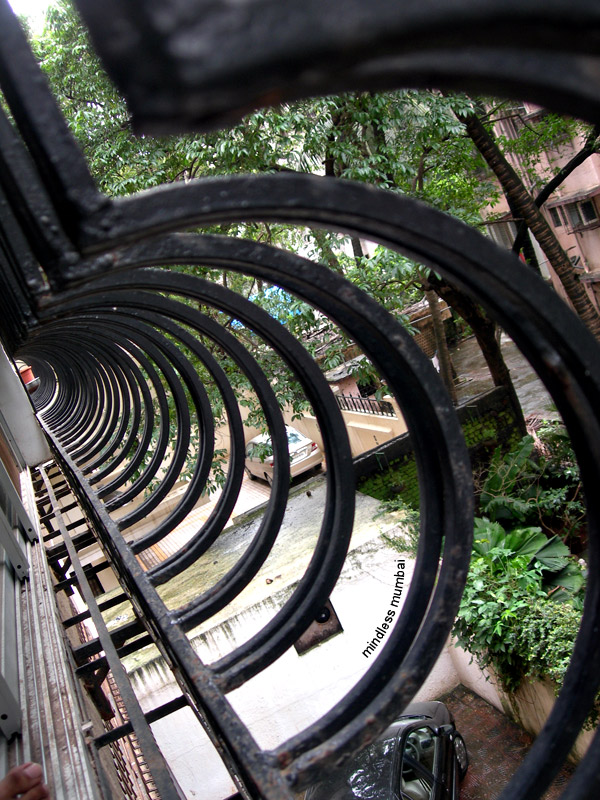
405,538
537,482
520,611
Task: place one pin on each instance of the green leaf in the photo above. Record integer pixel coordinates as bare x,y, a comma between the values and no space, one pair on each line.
554,554
569,578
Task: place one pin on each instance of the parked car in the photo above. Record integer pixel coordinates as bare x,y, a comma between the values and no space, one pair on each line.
304,455
421,756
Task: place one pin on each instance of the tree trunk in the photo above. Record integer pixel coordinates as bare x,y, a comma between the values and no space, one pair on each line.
526,245
526,208
484,328
441,344
327,254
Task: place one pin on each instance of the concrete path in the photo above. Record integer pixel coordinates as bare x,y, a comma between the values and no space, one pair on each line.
475,377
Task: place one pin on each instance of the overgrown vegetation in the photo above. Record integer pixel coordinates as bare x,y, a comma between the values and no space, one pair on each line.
405,538
522,605
537,482
521,608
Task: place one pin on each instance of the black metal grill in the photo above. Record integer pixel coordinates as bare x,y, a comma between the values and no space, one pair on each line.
116,337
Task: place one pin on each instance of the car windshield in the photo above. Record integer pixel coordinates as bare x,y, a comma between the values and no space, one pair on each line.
367,777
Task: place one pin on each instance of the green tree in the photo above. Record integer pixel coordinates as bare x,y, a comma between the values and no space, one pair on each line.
406,141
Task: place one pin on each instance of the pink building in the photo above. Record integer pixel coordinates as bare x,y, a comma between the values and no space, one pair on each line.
573,210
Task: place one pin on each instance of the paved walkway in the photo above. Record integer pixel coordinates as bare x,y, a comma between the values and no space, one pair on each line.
475,377
496,747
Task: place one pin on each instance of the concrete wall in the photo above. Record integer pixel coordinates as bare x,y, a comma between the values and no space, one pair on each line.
473,677
390,470
530,706
365,431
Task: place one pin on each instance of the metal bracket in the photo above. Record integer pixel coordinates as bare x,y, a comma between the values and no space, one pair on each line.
10,710
9,540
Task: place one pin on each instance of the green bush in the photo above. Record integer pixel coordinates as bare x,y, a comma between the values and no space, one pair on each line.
536,482
521,608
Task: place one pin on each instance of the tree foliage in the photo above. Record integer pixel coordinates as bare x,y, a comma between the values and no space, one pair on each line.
409,142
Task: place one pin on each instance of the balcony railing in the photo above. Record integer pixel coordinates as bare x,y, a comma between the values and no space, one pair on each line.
365,405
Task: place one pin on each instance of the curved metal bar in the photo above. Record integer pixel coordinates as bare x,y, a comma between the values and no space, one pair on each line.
216,62
51,344
83,379
151,384
142,334
167,358
427,564
378,44
60,165
90,453
125,442
153,344
80,412
200,543
322,289
46,393
337,522
223,510
562,352
98,421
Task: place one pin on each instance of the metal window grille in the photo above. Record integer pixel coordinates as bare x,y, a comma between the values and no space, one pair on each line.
88,299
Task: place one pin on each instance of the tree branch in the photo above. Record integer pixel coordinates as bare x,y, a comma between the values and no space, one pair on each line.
589,148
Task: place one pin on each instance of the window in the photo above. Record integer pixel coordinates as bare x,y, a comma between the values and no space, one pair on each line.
294,437
513,122
556,218
367,387
581,214
418,763
503,233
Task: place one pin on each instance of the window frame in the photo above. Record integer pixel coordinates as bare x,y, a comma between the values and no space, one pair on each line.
576,214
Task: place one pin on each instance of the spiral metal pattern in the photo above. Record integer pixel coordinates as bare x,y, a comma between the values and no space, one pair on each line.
126,348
